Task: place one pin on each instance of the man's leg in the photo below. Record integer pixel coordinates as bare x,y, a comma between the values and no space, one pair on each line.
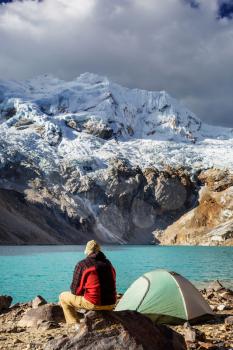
69,303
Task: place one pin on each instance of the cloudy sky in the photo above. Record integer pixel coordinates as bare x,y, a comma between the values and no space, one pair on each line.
182,46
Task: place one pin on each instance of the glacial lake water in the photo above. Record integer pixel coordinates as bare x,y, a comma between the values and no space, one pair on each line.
26,271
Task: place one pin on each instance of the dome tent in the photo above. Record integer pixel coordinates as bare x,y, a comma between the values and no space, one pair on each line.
165,297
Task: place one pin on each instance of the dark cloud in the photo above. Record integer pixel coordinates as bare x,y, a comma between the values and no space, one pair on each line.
225,9
152,44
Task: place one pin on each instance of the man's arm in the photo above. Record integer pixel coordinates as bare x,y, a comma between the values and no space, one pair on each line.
76,282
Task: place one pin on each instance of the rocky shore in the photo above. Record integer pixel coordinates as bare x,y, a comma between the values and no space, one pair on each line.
40,325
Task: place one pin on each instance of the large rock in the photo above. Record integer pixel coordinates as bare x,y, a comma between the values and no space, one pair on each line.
44,313
106,330
5,302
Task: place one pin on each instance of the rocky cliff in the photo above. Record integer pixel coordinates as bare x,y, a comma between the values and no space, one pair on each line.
122,205
211,221
92,159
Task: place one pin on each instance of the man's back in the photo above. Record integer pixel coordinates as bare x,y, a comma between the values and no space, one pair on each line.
95,279
93,286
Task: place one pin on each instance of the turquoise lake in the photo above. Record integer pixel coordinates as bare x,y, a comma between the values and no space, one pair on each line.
26,271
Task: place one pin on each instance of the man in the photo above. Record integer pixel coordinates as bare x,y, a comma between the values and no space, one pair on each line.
93,286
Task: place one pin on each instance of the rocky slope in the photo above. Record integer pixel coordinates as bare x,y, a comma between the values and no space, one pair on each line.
90,158
211,221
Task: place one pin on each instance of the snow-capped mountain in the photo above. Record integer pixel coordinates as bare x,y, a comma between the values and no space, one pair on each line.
93,118
57,138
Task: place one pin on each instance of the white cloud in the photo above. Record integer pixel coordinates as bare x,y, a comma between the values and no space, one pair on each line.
141,43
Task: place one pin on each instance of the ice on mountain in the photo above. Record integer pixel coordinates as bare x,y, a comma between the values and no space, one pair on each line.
94,118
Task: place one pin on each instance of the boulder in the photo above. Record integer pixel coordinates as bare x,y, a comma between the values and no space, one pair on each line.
38,301
5,302
109,330
44,313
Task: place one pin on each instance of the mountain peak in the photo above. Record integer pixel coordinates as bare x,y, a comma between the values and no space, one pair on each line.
91,78
93,118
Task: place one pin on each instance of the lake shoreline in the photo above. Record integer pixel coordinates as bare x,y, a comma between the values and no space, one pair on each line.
32,268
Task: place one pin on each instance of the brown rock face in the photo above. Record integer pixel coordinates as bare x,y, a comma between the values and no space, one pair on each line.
123,204
217,180
211,221
44,313
25,222
119,330
120,204
170,194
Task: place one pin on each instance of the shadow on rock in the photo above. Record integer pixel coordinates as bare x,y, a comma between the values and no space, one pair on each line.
105,330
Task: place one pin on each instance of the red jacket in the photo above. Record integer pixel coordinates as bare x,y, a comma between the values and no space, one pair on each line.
95,279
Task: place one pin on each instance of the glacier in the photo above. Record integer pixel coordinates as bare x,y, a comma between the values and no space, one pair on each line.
63,121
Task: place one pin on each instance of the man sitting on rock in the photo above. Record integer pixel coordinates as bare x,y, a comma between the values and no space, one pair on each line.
93,286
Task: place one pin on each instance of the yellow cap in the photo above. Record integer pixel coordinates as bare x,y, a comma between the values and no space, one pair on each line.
92,247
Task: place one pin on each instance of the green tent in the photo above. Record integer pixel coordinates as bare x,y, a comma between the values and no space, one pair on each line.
165,297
